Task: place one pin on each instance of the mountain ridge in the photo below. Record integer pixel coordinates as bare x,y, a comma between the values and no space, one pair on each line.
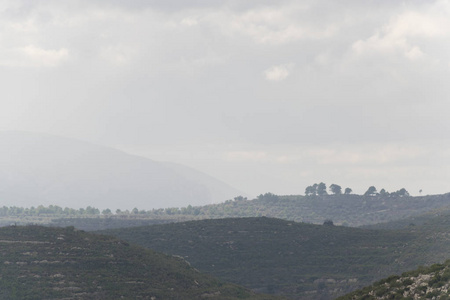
44,169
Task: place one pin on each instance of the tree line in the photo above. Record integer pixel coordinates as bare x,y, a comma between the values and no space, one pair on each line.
58,211
320,189
47,210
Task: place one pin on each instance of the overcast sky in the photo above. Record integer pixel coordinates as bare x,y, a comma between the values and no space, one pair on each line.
268,96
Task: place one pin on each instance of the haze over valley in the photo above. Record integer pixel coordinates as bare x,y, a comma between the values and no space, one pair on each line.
205,149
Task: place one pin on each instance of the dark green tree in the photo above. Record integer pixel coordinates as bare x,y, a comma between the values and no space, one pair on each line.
91,211
336,189
371,191
384,193
348,191
328,222
322,189
270,197
310,190
401,193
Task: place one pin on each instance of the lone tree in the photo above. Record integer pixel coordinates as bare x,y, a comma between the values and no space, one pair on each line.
328,222
371,191
336,189
348,191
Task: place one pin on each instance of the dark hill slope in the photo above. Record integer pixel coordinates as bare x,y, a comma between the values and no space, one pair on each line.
433,235
49,263
349,210
437,219
302,261
424,283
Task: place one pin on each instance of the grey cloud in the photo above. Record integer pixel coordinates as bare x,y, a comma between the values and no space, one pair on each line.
146,73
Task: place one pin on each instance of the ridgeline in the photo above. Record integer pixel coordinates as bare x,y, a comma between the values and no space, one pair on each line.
346,210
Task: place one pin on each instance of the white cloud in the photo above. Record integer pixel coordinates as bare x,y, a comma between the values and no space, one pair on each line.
189,21
278,73
189,65
429,24
405,34
273,25
414,53
33,56
118,55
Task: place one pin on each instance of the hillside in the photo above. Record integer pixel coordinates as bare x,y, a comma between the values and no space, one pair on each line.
39,169
63,263
436,219
431,228
301,261
347,210
424,283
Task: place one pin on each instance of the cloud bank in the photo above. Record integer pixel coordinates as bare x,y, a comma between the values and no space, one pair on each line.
265,82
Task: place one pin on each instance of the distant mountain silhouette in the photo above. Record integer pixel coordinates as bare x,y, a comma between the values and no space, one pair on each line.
43,169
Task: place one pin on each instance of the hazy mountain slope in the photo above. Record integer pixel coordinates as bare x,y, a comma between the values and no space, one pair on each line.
220,190
40,169
62,263
302,261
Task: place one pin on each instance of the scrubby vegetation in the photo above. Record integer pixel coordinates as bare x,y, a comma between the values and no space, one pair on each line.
307,260
63,263
424,283
342,209
276,256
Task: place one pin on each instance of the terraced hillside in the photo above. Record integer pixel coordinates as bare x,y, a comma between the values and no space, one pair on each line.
301,261
63,263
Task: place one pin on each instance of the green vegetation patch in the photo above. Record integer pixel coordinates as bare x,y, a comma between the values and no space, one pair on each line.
63,263
278,256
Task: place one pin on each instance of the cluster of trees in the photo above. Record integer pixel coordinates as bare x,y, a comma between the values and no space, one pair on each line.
372,191
320,189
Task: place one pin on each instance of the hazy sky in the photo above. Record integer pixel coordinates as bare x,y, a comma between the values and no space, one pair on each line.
268,96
